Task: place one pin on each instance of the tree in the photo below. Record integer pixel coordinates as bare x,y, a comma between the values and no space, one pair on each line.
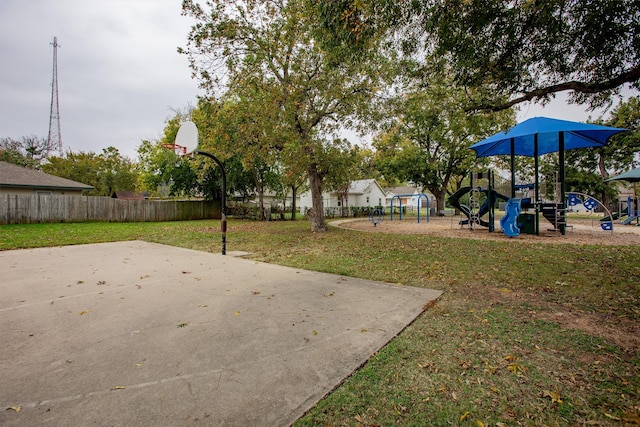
428,139
238,128
267,46
106,172
29,151
522,49
160,167
622,151
588,168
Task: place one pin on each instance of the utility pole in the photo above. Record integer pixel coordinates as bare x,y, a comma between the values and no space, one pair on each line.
54,140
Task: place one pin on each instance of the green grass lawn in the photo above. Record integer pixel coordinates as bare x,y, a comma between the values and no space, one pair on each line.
525,334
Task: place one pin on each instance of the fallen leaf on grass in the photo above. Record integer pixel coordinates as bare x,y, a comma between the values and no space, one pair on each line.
553,395
464,416
514,366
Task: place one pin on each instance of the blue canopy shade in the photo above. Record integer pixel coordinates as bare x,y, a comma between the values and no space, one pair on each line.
631,176
576,135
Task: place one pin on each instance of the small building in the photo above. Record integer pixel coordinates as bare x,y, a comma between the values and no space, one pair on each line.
18,180
411,197
360,193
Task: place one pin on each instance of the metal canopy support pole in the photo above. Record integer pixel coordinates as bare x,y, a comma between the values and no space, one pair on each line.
563,212
223,207
513,168
536,183
491,201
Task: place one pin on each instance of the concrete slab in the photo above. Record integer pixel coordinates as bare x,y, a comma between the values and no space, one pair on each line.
135,333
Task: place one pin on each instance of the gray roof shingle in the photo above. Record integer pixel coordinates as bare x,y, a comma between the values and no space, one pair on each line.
13,176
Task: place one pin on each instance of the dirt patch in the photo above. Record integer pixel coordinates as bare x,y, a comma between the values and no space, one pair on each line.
619,331
585,232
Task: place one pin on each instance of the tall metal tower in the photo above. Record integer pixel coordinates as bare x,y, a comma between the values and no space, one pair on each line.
54,141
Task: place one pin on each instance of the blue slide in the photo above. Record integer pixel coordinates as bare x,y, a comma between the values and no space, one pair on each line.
509,222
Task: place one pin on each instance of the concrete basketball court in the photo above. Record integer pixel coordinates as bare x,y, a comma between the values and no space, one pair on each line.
136,333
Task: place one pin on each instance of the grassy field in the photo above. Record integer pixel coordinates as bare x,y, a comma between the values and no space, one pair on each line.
525,334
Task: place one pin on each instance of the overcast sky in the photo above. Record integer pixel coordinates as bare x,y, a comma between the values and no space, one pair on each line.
119,74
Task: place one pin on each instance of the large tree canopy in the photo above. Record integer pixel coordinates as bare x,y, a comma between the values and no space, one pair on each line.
28,151
264,53
107,172
428,137
527,50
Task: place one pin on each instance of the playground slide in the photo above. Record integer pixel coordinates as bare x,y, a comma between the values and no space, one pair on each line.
630,219
454,200
612,217
509,222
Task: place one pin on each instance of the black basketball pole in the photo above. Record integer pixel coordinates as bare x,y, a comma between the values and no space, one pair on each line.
223,208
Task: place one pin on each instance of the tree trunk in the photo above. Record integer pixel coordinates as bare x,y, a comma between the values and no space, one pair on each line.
440,199
316,213
261,212
293,202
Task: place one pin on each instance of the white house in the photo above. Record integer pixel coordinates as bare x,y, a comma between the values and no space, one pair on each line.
364,192
411,197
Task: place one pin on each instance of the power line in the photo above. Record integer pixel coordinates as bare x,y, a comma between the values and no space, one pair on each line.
54,141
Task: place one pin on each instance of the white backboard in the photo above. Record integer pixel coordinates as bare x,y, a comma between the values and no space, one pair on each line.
187,137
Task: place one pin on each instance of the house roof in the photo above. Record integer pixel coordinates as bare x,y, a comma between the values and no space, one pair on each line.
404,190
13,176
127,195
360,186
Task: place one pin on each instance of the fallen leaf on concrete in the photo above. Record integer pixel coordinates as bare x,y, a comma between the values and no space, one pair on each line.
118,387
14,408
83,312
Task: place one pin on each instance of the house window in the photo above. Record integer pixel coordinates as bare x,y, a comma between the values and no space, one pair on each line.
379,202
367,199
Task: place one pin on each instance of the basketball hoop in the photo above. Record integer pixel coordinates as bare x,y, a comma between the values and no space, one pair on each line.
176,148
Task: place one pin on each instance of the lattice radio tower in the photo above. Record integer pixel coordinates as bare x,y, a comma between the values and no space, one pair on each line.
54,141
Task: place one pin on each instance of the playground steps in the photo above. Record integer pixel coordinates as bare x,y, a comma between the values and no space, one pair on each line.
556,215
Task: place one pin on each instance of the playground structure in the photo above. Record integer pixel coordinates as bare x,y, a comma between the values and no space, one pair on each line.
627,212
399,197
478,200
376,216
590,203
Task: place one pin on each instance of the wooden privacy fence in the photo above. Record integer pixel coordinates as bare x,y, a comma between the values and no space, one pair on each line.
25,209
